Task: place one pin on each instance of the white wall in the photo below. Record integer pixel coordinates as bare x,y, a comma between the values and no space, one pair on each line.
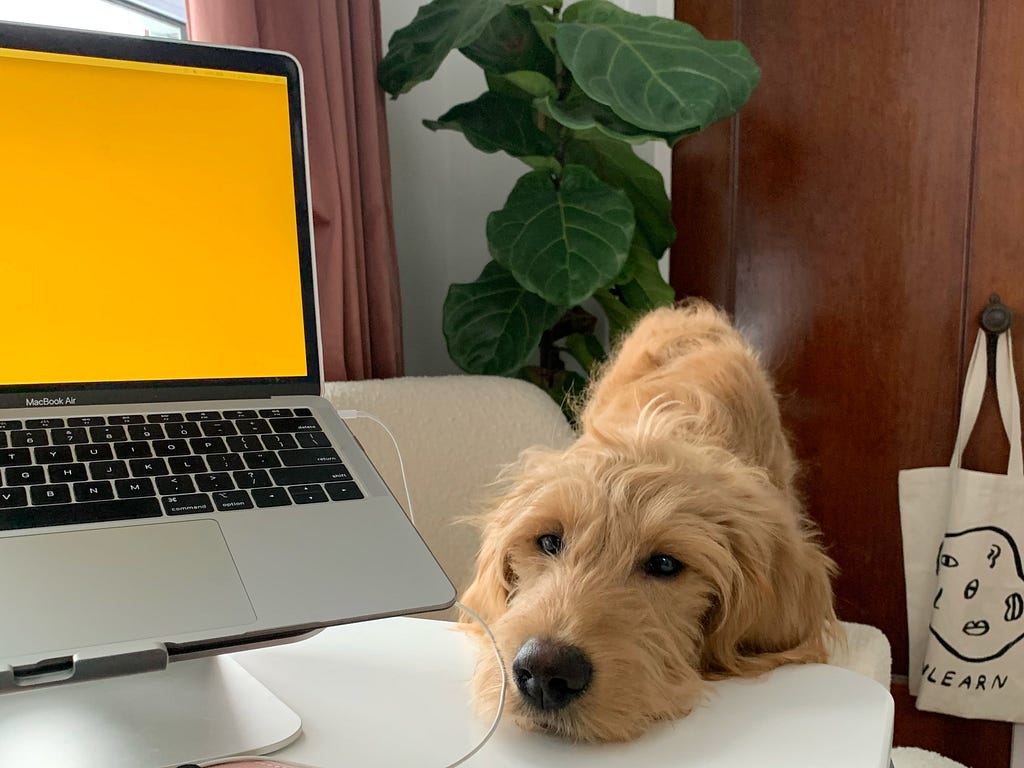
443,190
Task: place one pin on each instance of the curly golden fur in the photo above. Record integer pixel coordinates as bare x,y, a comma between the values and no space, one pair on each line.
681,454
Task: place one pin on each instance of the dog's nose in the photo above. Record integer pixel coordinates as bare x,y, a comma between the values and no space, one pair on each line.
550,674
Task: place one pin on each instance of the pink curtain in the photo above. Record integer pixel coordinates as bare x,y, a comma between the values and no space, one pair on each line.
338,44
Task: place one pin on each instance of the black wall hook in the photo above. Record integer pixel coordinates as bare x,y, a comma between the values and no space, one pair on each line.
995,319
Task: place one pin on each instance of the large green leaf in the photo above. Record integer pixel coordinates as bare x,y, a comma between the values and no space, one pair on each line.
496,122
562,240
580,112
492,324
617,164
510,43
646,288
417,50
658,74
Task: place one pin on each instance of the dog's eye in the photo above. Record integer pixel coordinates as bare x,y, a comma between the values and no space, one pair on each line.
550,544
663,566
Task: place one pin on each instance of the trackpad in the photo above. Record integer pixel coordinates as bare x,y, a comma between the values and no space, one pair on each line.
64,591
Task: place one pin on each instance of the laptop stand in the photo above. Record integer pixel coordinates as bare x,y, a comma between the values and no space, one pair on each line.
193,711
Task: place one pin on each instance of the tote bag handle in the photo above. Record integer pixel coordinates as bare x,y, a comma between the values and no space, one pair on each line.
1006,392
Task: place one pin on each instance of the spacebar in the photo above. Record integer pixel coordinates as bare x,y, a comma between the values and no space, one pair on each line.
77,514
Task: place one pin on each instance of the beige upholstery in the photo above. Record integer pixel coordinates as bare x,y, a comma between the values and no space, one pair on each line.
455,432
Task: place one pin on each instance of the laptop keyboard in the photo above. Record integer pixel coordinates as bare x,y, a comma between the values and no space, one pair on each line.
86,469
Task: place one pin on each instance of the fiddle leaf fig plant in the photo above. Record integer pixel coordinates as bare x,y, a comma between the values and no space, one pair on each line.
570,89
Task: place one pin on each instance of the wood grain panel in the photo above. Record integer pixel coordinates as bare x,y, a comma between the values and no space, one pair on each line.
833,219
851,186
997,234
703,257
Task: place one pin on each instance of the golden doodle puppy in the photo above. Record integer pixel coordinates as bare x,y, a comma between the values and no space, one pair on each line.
665,547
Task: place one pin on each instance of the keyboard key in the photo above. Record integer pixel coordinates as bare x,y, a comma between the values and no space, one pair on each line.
100,452
313,440
302,412
50,494
256,478
307,494
214,481
224,462
316,474
279,442
271,497
148,467
108,470
82,512
108,434
43,423
13,457
3,439
146,432
187,465
343,491
67,473
86,421
206,445
306,456
203,415
185,429
243,443
275,413
171,448
8,424
306,424
69,436
54,454
133,450
228,500
135,488
18,497
164,418
188,504
235,415
29,437
173,485
24,476
219,428
94,491
253,427
261,460
132,418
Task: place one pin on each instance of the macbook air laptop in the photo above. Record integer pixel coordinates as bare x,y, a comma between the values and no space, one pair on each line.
171,482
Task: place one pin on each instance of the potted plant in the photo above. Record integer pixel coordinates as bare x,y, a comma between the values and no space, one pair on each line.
570,90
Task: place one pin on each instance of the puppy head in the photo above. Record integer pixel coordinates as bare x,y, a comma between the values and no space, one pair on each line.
641,564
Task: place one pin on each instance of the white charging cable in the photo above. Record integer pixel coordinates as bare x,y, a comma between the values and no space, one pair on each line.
398,452
270,761
469,611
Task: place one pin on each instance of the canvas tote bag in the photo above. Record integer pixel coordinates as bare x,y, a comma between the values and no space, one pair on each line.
962,532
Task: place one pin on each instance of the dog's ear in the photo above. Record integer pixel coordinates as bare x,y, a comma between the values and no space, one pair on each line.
489,591
775,603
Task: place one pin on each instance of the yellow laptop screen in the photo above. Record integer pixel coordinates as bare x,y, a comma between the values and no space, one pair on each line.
147,223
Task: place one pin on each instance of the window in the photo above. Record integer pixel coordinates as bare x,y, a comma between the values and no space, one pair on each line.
149,18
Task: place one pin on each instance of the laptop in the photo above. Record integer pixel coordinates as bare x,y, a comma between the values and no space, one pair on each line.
172,484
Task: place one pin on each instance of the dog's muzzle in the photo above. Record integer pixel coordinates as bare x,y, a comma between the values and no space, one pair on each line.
549,674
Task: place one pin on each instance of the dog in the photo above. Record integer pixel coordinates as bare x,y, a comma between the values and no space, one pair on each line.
667,546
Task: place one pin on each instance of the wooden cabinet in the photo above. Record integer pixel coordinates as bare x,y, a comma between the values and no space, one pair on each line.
855,217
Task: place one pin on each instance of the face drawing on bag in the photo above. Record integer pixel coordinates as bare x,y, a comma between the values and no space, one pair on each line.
978,612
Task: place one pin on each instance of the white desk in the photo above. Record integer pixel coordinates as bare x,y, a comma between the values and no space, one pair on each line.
395,693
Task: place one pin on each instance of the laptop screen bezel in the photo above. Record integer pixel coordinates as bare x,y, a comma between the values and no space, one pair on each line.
200,55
